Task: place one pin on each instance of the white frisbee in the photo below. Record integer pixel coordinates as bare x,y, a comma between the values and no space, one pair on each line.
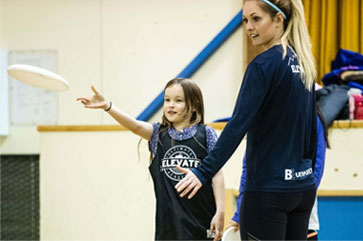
38,77
231,235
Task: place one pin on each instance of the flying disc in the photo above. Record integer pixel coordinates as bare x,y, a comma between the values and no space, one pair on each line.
231,235
38,77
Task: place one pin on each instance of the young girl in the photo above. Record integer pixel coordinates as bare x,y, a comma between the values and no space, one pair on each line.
276,107
180,140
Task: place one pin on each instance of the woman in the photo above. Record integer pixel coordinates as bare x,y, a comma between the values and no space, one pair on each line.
323,143
276,106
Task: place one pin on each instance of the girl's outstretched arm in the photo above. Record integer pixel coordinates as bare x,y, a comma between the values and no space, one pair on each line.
217,222
98,101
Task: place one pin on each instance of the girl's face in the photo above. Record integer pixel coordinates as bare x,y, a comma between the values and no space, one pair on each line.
260,27
174,107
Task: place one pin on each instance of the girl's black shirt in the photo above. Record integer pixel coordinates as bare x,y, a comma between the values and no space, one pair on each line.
278,114
180,218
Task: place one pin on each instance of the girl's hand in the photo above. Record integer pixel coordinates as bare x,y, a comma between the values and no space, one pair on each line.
188,183
233,224
97,101
217,225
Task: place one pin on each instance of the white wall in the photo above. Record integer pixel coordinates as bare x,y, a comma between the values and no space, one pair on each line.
128,49
344,161
94,188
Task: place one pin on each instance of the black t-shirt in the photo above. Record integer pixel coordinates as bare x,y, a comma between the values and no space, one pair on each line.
180,218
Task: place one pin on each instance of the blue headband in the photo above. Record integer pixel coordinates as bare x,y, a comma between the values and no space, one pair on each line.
275,7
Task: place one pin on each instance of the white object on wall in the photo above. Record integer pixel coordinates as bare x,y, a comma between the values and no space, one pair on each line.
4,94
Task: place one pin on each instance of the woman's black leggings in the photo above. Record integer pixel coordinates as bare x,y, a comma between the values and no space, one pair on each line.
276,215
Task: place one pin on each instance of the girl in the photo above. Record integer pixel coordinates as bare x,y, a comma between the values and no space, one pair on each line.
276,106
181,139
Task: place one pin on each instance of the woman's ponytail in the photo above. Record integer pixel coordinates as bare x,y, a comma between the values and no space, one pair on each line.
296,35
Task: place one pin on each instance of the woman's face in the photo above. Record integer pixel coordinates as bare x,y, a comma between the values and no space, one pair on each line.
260,27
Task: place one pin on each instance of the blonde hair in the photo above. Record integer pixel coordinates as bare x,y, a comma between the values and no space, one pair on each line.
295,35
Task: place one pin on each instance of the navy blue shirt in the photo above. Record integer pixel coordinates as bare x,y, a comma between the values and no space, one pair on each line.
278,113
318,172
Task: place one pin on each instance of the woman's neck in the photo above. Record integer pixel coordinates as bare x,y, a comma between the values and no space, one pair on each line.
268,46
277,40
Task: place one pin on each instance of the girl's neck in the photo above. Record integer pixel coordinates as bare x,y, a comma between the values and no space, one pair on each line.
181,126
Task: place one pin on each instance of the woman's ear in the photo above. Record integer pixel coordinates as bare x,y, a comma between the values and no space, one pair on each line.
279,18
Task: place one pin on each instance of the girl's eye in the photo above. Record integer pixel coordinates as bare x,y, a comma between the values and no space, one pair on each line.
166,100
244,20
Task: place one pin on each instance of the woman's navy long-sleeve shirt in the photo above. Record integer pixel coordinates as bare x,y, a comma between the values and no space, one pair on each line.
318,171
278,113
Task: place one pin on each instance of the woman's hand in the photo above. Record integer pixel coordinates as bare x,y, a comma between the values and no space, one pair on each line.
97,101
217,225
189,183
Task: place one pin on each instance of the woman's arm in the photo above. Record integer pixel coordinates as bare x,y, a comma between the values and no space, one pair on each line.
98,101
252,94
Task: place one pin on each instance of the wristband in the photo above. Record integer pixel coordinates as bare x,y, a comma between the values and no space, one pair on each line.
109,108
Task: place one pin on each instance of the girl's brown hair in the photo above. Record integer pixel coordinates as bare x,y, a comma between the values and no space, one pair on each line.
193,102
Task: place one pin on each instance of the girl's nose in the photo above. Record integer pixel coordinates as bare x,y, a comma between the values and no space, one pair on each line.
171,103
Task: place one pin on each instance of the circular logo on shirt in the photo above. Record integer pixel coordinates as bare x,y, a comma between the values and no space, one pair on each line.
182,156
